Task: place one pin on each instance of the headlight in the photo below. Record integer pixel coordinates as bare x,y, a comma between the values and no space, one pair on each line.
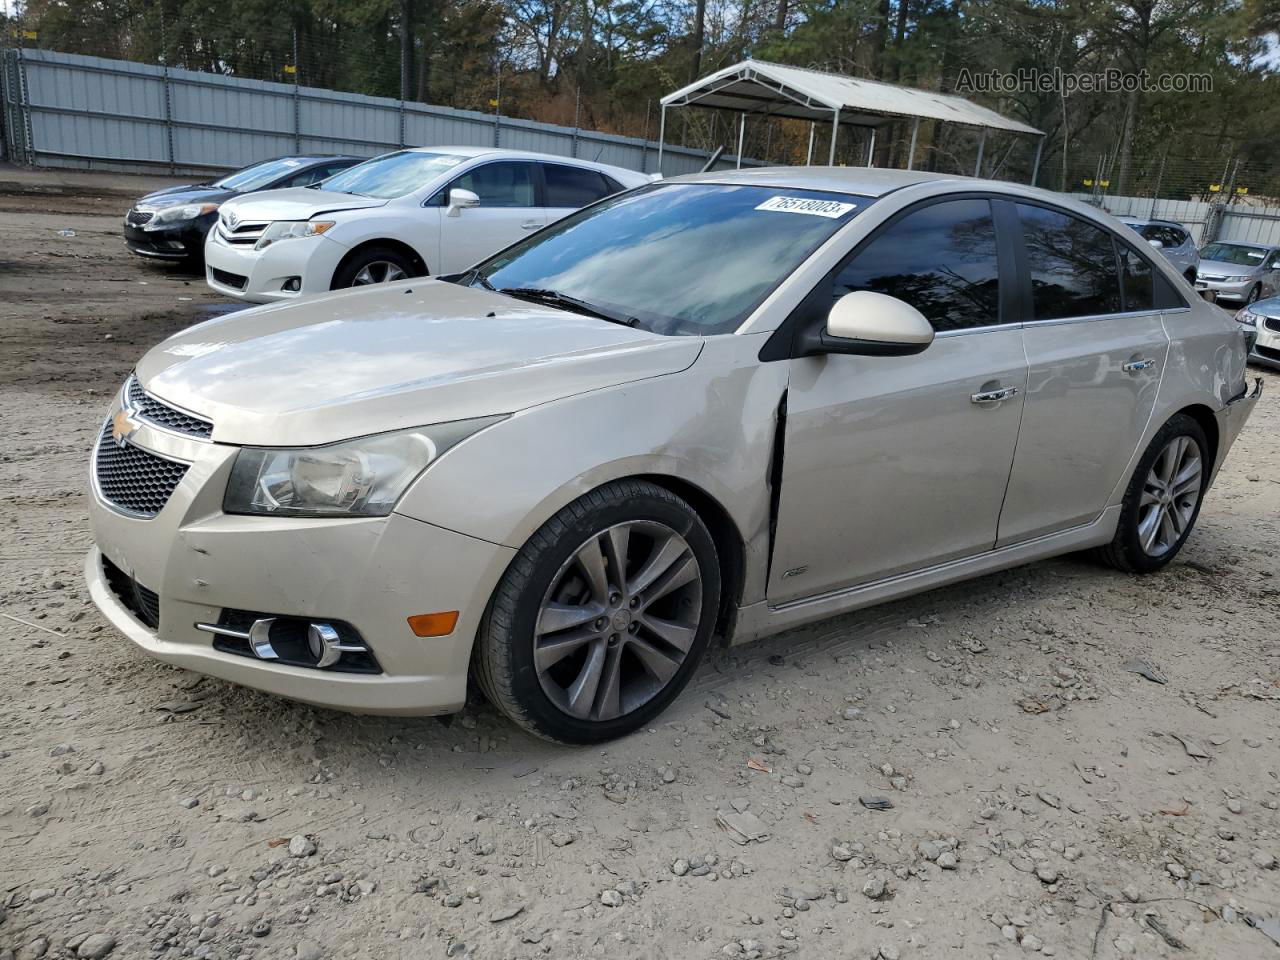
291,230
1240,279
356,478
171,215
1247,318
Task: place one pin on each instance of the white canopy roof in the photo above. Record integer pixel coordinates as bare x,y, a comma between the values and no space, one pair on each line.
756,86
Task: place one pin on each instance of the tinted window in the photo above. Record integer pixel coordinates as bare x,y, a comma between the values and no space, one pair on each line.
680,258
573,186
941,259
506,184
1136,274
1073,265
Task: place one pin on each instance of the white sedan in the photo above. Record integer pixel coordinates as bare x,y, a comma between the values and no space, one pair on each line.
430,210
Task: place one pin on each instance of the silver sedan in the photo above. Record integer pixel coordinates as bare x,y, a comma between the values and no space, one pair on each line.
707,410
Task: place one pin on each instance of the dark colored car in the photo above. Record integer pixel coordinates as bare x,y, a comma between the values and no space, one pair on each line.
171,224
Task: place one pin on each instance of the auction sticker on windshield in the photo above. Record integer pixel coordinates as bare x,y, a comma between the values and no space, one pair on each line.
816,208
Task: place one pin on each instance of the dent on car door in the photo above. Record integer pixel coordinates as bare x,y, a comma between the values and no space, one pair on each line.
897,463
508,209
1096,350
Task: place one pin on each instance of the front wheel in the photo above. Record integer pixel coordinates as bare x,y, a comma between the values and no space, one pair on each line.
1163,499
1254,295
603,615
374,265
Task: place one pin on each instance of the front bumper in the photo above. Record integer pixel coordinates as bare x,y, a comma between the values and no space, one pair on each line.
1227,291
371,573
260,276
1266,351
183,241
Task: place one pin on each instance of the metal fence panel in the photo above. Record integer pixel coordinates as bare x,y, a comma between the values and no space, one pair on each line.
91,112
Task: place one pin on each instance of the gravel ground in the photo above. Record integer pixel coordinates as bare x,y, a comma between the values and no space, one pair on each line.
1042,798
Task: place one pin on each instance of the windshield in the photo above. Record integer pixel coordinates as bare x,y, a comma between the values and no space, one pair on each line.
1233,253
259,175
678,258
392,175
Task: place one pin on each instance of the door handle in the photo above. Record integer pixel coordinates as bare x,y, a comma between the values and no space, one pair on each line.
993,396
1133,366
530,225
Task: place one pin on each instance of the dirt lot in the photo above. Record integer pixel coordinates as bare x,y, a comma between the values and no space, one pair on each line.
1044,798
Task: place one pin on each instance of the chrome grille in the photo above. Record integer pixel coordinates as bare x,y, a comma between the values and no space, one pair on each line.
138,217
244,232
133,479
161,414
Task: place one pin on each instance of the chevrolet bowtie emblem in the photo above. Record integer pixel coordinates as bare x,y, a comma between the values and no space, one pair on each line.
122,427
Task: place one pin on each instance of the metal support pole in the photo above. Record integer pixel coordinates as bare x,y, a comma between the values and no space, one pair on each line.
662,134
1035,167
742,133
982,142
644,140
911,154
871,147
808,157
297,105
835,131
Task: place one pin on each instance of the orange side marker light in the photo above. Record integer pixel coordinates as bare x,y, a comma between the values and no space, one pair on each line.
434,624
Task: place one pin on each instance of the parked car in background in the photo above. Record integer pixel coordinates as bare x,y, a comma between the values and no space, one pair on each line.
730,403
405,214
171,224
1246,272
1171,239
1262,319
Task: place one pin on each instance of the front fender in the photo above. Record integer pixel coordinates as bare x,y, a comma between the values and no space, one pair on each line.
711,426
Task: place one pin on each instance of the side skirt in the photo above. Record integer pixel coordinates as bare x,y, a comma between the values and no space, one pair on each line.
761,620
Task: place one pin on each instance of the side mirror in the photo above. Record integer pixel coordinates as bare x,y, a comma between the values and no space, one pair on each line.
1210,295
1158,244
458,199
870,324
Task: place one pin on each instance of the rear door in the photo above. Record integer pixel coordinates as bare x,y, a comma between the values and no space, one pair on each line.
569,188
508,210
892,464
1096,348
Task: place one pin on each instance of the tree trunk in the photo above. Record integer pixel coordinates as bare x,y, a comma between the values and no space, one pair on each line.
1126,142
879,40
699,36
780,21
406,49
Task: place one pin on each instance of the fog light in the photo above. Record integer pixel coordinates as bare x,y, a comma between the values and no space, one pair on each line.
293,284
434,624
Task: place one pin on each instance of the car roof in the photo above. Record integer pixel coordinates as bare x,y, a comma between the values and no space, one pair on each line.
471,152
864,181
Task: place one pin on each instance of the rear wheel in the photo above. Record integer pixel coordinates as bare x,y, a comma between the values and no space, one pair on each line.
603,615
1163,499
374,265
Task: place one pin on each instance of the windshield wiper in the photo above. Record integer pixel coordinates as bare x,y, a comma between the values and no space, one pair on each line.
554,298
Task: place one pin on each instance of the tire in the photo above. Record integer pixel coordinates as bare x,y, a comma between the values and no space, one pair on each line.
550,583
1127,551
1254,295
1190,276
368,266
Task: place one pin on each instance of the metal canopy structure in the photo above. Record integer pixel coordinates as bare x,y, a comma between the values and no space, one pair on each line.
759,88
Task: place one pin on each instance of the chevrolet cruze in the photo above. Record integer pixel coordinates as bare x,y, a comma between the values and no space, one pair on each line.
714,407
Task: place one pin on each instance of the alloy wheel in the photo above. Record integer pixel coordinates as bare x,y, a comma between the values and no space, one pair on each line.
378,271
618,620
1170,495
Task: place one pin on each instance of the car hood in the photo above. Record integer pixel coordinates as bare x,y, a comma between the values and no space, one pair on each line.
296,203
180,196
358,362
1221,267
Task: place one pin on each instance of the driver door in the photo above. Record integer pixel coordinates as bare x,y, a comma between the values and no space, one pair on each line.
892,464
508,210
